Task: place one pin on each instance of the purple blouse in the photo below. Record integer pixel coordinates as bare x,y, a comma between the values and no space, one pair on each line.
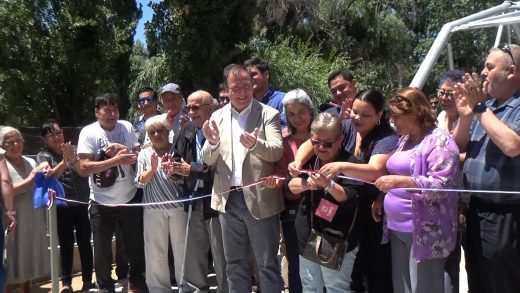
434,163
398,202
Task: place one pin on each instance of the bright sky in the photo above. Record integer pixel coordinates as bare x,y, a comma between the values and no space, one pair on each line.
147,15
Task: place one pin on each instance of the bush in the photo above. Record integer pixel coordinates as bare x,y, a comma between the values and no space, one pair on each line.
297,64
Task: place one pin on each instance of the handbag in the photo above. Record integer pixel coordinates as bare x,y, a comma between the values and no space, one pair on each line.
327,248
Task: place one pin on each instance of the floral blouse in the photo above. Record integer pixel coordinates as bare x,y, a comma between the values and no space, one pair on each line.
434,164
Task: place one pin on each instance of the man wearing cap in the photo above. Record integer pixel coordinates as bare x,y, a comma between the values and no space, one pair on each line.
262,90
172,101
147,103
243,140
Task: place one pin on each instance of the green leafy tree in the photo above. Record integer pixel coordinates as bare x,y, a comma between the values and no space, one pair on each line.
57,55
199,38
296,64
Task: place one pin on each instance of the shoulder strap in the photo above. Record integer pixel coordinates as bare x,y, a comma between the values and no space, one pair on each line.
353,222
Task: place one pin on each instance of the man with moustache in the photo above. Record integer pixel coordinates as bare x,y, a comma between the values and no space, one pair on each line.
204,226
489,132
243,140
107,151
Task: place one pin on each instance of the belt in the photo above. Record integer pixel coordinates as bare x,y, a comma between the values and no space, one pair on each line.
239,188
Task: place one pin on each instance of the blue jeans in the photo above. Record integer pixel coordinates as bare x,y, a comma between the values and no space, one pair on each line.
315,276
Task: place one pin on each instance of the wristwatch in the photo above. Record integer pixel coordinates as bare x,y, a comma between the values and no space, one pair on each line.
480,108
329,186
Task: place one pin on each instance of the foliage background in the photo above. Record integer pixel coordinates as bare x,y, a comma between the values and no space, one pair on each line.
56,55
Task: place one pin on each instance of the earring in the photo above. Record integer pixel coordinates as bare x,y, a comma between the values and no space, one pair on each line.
379,122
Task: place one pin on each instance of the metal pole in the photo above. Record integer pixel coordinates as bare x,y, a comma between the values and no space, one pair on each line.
442,38
451,65
55,264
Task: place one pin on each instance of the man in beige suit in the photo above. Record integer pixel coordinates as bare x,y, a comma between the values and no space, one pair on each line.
243,139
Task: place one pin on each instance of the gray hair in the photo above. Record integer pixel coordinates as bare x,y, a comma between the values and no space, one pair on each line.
4,130
215,104
156,122
298,96
327,121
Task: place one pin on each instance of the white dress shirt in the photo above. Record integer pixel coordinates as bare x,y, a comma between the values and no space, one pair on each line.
238,125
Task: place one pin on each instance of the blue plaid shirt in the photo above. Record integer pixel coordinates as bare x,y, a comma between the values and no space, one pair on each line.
486,167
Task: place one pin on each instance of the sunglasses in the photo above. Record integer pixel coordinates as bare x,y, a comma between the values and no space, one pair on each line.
194,108
448,94
324,144
145,100
504,47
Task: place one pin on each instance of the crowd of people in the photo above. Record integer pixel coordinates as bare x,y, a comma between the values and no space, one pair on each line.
358,197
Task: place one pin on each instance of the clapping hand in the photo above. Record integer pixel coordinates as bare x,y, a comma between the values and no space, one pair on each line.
154,161
68,152
211,132
470,92
126,157
248,140
181,168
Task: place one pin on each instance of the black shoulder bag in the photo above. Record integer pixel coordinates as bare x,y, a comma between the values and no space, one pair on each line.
327,248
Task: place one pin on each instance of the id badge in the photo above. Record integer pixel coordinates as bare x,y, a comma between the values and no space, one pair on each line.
326,210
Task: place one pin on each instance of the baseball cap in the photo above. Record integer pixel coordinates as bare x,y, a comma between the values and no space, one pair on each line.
171,87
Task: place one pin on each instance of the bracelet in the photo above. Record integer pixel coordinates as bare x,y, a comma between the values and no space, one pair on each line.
10,213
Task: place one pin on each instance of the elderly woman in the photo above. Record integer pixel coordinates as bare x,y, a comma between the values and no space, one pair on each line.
163,220
73,222
422,224
27,247
448,117
299,111
370,138
338,196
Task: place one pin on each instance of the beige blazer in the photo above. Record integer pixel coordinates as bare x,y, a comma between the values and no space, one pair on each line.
258,162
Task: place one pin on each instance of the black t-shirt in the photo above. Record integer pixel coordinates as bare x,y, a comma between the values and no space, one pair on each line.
75,186
345,212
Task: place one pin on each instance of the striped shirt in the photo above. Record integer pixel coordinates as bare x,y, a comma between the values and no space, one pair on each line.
161,188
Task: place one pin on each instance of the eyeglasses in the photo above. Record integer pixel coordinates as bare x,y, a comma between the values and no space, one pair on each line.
449,94
194,108
504,47
145,100
55,133
324,144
